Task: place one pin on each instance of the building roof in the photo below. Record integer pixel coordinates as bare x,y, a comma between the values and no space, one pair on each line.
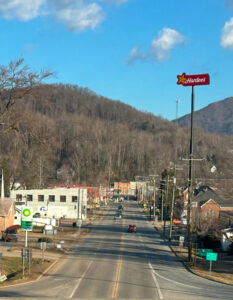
5,206
205,193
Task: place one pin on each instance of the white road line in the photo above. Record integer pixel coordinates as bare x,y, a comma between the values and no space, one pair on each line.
80,280
176,282
156,282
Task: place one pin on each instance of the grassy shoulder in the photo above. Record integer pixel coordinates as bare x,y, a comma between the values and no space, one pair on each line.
222,270
12,267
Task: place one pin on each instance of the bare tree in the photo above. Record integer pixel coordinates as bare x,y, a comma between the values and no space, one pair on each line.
16,81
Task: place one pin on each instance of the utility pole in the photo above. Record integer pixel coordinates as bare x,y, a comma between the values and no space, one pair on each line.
191,80
176,130
190,181
172,208
153,177
154,201
166,201
2,187
162,208
40,179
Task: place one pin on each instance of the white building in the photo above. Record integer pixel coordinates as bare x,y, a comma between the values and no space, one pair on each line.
53,203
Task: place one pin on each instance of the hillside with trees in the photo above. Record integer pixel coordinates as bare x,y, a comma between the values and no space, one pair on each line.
216,117
68,134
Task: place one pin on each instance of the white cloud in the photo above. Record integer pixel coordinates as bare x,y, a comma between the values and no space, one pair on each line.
81,18
77,15
114,1
160,47
227,35
166,41
134,55
23,10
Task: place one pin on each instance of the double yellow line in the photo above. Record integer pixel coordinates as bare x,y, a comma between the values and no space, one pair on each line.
118,273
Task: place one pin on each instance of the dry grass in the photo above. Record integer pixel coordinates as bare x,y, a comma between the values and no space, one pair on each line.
224,278
12,267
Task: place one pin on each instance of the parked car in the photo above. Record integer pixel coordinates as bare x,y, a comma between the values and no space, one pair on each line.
132,228
176,221
36,215
44,240
9,235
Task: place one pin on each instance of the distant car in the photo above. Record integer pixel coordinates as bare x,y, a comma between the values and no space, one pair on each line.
176,221
132,228
36,215
120,207
118,216
44,240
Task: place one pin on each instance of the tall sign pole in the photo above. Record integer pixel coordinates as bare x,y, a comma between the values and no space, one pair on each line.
26,222
191,80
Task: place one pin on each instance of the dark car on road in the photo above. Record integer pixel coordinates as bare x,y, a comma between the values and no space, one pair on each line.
120,207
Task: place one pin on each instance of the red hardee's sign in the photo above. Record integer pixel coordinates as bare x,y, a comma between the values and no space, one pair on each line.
189,80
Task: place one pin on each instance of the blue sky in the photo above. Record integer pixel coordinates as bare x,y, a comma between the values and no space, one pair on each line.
127,50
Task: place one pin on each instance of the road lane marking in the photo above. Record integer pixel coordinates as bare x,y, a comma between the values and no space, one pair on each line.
80,280
118,274
176,282
156,282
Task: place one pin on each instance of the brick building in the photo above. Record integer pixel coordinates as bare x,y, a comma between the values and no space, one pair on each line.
210,203
7,213
122,187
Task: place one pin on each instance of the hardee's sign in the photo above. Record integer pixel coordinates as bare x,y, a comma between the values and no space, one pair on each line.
189,80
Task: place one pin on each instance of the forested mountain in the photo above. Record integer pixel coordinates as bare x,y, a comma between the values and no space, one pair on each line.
64,133
216,117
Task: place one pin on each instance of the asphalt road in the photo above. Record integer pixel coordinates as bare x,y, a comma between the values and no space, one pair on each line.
111,263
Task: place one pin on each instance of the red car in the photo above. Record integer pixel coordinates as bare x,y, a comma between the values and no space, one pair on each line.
132,228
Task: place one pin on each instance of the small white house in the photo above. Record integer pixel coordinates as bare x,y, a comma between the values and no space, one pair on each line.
227,235
52,203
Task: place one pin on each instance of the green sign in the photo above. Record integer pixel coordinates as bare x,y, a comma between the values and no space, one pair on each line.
26,218
27,225
203,252
211,256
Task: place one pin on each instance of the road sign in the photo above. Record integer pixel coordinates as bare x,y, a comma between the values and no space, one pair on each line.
26,213
43,246
191,80
29,255
181,241
26,218
203,252
211,256
26,225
